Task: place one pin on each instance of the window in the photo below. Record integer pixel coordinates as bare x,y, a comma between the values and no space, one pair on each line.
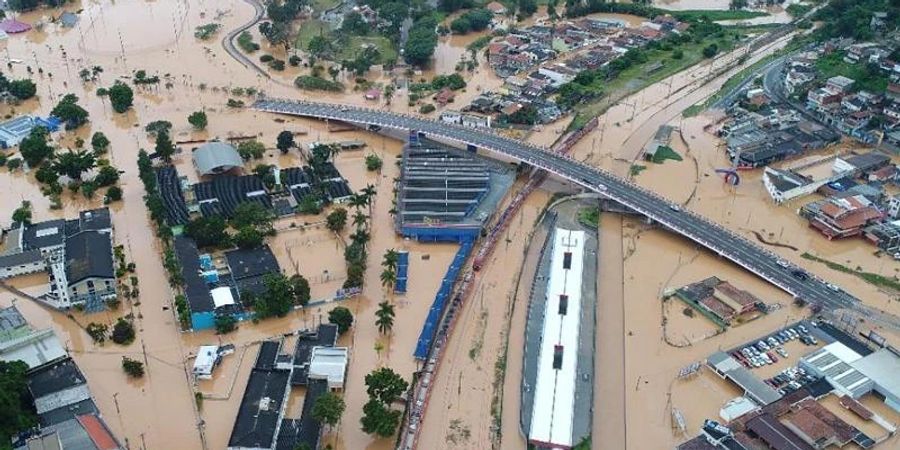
557,357
563,304
90,284
567,260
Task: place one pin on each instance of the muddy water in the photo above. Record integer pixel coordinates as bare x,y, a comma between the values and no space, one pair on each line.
459,414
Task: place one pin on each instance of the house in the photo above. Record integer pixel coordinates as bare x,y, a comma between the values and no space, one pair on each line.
839,84
845,217
445,96
20,342
373,94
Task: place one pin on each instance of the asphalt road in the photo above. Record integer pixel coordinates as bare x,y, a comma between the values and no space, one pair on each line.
718,239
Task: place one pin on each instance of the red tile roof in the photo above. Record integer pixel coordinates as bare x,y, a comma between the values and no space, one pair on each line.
98,432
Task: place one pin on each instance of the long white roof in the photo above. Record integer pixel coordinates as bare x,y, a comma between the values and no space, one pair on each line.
554,395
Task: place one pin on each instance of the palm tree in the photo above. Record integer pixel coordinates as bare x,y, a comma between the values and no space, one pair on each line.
390,259
73,164
388,278
361,236
360,220
368,193
357,201
385,317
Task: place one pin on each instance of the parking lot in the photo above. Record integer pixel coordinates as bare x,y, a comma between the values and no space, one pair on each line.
773,358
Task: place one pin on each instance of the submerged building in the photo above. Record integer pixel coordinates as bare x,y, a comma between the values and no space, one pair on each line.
553,406
77,255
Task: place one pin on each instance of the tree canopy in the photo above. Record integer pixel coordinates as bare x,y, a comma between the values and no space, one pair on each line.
70,112
385,385
198,120
121,96
208,231
328,409
34,148
342,317
16,406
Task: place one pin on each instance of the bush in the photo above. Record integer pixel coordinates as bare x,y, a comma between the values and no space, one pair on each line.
123,332
133,368
311,83
342,317
266,58
427,108
373,162
113,194
225,324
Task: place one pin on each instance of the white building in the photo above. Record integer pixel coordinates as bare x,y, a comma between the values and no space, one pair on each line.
329,363
554,392
206,361
835,362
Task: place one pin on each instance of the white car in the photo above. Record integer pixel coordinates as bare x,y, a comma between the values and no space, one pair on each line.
781,351
782,263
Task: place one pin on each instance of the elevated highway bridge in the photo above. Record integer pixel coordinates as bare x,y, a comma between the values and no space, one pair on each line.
718,239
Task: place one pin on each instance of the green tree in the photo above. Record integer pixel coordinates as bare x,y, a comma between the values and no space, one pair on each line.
285,141
74,163
97,331
164,146
353,24
225,323
22,89
121,97
385,385
99,143
198,120
390,259
107,176
251,149
276,299
422,41
379,420
88,189
328,408
158,126
22,214
113,194
385,315
208,231
342,317
252,214
134,368
34,148
388,278
373,162
317,46
248,237
300,290
336,220
16,404
68,111
123,332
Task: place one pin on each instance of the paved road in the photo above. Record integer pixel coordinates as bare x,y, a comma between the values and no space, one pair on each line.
718,239
228,40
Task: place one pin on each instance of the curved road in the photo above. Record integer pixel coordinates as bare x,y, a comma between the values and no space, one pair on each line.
765,264
228,40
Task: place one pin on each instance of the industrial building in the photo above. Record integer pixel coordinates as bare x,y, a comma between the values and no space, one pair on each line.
13,131
725,366
77,254
719,300
854,374
263,421
554,392
445,193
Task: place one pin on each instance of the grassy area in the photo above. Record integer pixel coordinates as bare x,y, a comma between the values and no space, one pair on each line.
833,65
308,30
589,217
635,78
384,45
665,152
312,28
874,279
323,5
714,15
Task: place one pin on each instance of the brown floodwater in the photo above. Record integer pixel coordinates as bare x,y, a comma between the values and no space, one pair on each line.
158,412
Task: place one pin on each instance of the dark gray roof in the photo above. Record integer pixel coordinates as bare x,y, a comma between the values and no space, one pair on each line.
44,234
89,255
195,288
91,220
260,409
17,259
68,412
253,262
54,378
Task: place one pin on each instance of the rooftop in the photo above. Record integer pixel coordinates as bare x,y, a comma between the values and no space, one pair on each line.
54,378
216,157
261,407
89,255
